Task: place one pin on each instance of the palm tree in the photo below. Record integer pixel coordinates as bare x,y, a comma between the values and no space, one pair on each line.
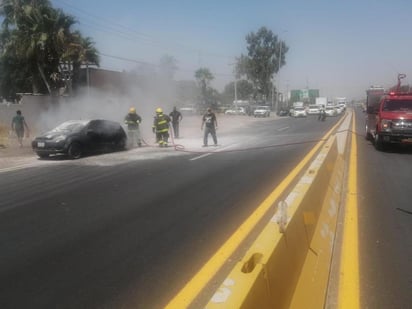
80,51
41,37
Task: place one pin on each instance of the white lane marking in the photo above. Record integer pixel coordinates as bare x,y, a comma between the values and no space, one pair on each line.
283,129
18,167
210,153
200,157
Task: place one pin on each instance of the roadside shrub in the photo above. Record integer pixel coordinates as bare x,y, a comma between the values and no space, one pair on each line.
4,131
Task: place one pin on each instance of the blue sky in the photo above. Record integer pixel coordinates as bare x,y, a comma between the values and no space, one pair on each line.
339,47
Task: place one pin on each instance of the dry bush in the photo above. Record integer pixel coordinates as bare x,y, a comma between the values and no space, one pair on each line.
4,131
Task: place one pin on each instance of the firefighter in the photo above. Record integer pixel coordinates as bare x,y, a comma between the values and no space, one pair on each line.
161,127
209,121
133,120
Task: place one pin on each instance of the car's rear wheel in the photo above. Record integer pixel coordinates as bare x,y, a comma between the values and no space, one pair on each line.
75,151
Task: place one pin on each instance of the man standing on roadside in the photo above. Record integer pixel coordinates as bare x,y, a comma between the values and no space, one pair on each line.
17,125
209,122
176,117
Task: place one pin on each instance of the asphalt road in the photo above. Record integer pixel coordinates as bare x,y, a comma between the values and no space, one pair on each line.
127,231
385,224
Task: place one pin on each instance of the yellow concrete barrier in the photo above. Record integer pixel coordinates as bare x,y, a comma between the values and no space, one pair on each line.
288,264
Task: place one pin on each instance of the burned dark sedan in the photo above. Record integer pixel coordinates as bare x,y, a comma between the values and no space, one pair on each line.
75,138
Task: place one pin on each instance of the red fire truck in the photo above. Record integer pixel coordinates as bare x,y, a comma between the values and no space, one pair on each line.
389,115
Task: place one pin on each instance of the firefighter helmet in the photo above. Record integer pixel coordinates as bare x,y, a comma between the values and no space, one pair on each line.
159,110
132,110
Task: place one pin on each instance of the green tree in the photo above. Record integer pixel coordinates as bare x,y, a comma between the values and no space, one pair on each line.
13,78
38,38
204,77
266,55
244,90
16,71
78,51
34,40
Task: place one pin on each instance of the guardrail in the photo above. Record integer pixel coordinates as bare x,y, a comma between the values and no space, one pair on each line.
288,264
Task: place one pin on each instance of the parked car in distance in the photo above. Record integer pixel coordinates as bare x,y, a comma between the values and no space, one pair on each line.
299,112
330,111
75,138
236,111
188,110
339,109
283,112
313,109
262,111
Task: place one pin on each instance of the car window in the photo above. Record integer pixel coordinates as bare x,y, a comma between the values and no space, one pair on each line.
98,126
94,125
70,126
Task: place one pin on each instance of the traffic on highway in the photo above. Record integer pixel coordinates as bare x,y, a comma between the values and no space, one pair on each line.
205,154
105,231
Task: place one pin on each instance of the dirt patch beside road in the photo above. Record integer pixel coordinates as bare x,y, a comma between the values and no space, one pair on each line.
191,138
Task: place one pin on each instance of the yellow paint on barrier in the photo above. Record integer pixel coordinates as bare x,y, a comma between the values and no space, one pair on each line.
292,270
274,280
189,292
349,295
310,291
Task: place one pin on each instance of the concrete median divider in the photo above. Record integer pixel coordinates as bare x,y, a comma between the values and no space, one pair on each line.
288,264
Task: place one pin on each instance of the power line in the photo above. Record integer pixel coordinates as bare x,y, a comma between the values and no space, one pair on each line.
110,24
153,64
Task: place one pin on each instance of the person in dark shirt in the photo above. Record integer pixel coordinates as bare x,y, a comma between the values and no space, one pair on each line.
322,113
17,125
209,122
176,117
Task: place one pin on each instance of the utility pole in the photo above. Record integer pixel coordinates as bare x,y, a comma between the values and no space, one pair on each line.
88,78
235,88
287,94
235,82
278,79
273,93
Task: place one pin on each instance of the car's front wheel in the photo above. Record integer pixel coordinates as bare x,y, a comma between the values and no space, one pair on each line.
121,144
379,143
74,151
43,155
367,133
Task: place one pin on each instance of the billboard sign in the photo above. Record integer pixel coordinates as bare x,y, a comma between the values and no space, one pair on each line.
304,95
